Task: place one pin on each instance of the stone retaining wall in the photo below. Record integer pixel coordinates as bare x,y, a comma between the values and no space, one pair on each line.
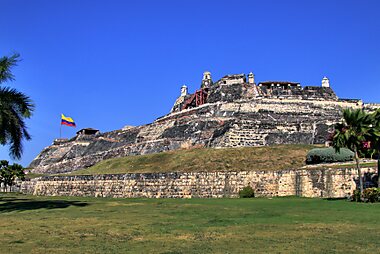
333,183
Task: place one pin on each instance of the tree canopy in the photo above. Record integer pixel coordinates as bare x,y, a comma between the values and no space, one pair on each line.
9,173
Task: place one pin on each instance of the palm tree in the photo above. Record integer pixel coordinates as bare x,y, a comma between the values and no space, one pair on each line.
375,140
15,107
351,133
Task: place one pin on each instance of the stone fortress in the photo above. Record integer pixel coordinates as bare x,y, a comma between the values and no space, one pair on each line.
234,111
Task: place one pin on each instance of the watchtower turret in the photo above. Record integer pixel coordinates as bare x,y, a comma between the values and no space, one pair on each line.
184,90
251,78
325,82
206,81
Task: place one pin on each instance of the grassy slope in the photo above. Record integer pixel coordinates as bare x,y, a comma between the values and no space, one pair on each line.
31,224
206,159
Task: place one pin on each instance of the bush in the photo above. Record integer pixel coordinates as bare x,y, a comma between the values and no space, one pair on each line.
247,192
368,195
328,155
371,195
356,196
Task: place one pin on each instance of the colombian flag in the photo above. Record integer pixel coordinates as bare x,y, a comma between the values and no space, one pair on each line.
67,121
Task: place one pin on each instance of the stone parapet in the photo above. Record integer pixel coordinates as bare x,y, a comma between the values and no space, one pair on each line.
325,183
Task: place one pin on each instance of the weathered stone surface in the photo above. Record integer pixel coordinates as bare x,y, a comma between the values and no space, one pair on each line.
235,114
331,183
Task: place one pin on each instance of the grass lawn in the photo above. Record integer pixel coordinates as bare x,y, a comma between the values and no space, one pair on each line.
31,224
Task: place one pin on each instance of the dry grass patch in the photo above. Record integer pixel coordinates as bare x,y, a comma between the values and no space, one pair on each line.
206,159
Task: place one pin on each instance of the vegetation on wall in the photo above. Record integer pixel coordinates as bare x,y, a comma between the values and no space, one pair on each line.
329,155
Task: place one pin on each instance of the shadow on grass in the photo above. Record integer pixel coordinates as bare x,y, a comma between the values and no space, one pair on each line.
16,204
335,199
2,199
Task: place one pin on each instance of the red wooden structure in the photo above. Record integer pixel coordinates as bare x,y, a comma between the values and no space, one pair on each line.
200,97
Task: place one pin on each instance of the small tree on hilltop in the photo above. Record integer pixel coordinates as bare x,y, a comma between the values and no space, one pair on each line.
9,173
352,132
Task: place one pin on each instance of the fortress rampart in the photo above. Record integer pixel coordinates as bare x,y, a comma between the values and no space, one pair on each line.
324,183
232,112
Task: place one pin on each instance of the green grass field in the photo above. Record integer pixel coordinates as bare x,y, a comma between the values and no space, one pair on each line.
31,224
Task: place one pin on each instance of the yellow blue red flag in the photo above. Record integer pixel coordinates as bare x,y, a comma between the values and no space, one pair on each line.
67,121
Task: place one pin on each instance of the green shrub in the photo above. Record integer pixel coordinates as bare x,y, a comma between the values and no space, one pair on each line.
356,196
247,192
371,195
328,155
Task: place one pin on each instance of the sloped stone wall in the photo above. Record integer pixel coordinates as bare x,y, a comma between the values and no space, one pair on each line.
334,183
238,124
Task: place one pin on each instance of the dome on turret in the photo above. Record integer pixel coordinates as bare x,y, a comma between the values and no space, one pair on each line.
206,80
325,82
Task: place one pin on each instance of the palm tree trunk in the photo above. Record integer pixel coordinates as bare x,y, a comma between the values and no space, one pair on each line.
359,173
378,170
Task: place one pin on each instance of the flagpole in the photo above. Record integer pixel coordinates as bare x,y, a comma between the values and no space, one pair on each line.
60,129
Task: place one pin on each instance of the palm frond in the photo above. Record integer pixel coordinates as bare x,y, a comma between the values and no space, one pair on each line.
21,103
15,107
6,65
354,130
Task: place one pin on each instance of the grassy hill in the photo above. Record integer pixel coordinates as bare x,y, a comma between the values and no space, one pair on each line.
206,159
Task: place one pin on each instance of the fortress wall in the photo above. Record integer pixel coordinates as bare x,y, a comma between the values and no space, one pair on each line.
287,105
334,183
272,121
241,123
271,104
371,107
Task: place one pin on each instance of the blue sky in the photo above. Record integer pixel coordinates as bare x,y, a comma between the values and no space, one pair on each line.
108,64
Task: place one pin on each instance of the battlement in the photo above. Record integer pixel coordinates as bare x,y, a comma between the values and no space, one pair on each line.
235,87
59,141
231,79
371,106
